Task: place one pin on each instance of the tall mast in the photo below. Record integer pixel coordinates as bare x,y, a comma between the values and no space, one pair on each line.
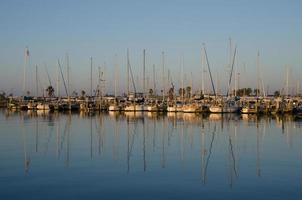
298,88
99,81
169,78
115,77
144,72
236,84
37,81
26,64
182,78
154,83
231,50
128,63
66,90
90,76
230,62
258,75
68,71
191,85
202,72
287,81
58,81
232,67
163,65
206,55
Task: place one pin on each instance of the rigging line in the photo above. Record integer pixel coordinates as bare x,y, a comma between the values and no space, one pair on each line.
210,152
63,78
209,69
48,76
233,156
132,79
230,80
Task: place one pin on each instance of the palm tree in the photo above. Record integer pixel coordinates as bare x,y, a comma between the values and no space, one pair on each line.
256,91
276,93
2,96
182,91
74,93
188,91
50,91
151,92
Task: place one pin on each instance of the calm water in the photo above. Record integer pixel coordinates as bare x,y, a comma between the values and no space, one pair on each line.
127,156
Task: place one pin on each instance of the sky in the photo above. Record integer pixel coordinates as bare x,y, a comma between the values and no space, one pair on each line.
104,30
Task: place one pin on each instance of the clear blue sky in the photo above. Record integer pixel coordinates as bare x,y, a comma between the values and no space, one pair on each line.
102,29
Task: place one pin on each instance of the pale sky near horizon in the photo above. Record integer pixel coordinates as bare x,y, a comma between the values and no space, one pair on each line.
105,29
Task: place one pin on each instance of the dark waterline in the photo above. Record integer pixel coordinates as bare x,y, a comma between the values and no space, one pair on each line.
149,156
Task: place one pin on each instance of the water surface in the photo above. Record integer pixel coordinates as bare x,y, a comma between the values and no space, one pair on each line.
149,156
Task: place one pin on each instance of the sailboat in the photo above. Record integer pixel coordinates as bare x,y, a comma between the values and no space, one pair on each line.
250,107
115,106
134,104
229,105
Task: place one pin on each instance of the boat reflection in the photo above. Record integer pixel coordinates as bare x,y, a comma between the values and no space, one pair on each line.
137,141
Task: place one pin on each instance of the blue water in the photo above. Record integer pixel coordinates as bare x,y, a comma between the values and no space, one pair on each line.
148,156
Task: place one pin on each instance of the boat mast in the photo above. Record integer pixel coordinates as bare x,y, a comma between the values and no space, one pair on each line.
144,72
68,80
182,79
66,90
287,81
26,64
230,80
115,77
191,86
131,73
37,81
163,65
154,83
258,71
91,77
128,64
206,55
58,81
202,72
297,88
230,62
